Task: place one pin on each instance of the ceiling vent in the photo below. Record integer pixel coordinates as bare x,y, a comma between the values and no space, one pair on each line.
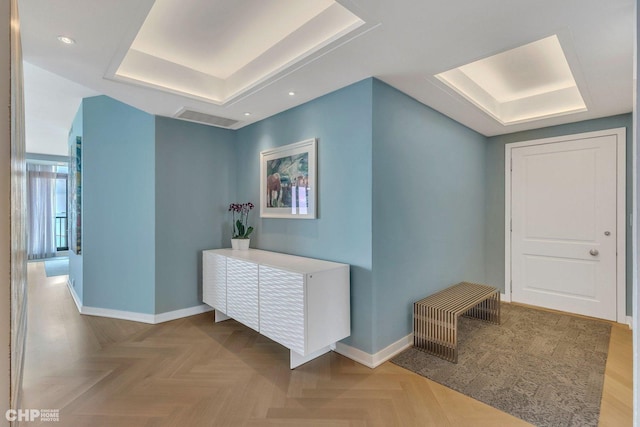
205,119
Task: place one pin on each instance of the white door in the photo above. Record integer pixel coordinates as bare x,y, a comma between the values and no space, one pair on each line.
563,238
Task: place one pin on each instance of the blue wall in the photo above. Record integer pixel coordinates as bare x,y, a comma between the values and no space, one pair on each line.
428,208
411,199
118,206
194,184
495,189
342,232
75,261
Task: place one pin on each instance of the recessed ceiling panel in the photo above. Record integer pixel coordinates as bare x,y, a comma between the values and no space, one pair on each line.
526,83
228,34
230,45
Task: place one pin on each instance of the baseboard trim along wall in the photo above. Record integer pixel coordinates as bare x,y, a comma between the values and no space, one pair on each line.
184,312
137,317
374,360
118,314
74,296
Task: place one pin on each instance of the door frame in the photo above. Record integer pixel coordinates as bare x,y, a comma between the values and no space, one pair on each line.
621,144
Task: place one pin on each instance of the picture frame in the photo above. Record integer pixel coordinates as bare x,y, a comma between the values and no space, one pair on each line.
288,181
74,207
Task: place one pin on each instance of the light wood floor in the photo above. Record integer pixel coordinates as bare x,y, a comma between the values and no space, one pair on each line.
191,372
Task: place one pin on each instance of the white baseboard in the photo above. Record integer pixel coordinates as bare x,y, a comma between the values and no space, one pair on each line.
629,322
377,359
134,316
184,312
143,317
118,314
355,354
503,298
74,295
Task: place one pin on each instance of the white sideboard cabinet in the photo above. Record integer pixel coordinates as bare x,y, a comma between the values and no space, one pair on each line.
301,303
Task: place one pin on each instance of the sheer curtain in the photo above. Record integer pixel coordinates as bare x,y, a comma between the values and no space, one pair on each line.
41,184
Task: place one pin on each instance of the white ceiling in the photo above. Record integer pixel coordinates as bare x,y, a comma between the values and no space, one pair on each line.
403,42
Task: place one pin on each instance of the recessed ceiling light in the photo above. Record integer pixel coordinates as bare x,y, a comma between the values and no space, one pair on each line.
292,93
527,83
66,40
247,113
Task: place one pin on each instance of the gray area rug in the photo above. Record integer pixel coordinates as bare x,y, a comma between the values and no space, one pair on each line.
542,367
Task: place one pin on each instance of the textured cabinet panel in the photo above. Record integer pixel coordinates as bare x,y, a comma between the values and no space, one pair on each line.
282,307
301,303
214,280
242,292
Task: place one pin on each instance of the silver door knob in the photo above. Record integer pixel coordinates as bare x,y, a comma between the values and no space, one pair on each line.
594,252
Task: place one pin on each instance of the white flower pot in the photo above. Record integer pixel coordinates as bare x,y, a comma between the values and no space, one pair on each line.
240,244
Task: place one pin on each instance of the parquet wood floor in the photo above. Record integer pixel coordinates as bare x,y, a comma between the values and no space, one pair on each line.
192,372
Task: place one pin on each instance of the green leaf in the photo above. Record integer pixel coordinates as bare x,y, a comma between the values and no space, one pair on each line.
240,228
249,230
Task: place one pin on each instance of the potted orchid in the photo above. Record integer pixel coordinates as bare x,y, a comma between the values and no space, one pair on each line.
240,228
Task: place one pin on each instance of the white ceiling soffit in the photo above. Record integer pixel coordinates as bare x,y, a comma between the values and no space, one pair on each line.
217,50
530,82
51,103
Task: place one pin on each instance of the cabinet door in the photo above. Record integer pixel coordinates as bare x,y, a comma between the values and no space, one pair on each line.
214,281
242,292
282,307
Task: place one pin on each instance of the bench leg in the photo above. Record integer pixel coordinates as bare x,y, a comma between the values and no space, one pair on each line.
435,329
435,332
487,310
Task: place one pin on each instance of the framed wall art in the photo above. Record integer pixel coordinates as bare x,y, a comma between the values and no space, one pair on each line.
288,181
74,208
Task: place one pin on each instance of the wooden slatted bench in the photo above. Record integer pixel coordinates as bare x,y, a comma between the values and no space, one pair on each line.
435,318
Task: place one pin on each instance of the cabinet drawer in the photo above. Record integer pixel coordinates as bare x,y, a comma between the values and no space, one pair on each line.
214,281
242,292
282,310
